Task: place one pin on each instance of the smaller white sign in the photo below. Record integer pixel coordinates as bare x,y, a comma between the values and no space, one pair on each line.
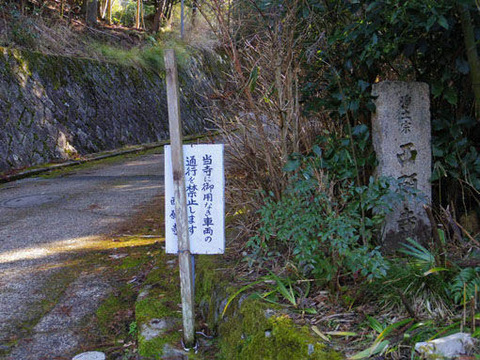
205,190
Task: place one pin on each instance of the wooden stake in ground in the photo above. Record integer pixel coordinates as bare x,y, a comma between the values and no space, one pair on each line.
186,280
182,19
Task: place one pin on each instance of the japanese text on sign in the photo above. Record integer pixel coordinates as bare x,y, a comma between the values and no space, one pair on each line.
204,185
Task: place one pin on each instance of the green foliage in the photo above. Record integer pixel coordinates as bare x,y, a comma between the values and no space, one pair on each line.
396,338
279,291
285,289
456,157
133,329
465,284
111,310
327,220
416,283
388,39
124,13
149,57
418,252
373,40
380,344
422,285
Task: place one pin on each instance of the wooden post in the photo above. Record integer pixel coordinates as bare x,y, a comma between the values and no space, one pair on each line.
186,281
182,19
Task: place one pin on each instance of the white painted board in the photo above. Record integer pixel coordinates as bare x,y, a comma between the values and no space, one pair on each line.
205,189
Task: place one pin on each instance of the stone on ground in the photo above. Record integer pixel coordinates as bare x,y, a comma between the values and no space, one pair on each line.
448,346
91,355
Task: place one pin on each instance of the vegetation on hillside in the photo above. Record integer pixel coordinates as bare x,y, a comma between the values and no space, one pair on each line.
60,28
304,197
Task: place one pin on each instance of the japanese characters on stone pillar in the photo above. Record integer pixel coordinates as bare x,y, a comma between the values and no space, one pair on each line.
402,141
205,185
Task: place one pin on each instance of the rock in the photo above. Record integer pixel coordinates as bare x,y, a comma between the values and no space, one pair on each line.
90,355
156,327
117,256
144,293
170,353
449,346
269,313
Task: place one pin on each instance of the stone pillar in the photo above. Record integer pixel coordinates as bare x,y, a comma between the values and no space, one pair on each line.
402,141
91,12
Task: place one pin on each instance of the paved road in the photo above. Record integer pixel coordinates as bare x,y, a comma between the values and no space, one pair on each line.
43,224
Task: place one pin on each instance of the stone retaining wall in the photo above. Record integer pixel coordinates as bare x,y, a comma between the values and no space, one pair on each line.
55,107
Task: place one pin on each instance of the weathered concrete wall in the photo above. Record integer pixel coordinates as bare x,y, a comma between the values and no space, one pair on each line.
53,107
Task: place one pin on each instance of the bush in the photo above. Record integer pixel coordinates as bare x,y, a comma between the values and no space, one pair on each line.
325,218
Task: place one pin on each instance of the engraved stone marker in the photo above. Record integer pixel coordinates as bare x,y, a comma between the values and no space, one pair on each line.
401,138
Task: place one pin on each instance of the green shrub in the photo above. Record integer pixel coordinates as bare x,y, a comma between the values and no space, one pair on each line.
456,160
326,219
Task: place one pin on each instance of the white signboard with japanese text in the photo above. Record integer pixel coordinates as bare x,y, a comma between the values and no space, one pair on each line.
205,185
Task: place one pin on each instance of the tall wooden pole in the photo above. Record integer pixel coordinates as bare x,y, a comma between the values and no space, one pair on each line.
186,280
182,19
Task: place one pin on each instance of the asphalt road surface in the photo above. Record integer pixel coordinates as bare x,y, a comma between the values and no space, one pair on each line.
44,222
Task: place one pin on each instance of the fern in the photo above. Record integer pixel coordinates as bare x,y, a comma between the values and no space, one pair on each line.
468,278
418,252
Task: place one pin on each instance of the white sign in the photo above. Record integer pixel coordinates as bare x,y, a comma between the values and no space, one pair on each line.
205,185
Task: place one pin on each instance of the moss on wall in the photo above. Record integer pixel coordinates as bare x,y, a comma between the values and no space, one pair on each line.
80,106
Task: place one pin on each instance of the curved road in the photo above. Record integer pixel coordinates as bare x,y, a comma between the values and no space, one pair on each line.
44,224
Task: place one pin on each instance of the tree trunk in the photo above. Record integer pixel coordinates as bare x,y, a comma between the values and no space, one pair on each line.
137,16
158,17
91,14
109,12
194,12
168,12
142,16
472,54
103,9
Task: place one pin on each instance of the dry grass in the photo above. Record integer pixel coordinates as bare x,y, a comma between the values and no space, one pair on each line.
260,113
45,31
